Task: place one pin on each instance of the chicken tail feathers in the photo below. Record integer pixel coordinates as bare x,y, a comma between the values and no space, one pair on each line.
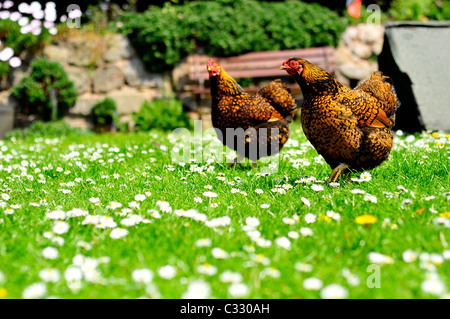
382,88
279,96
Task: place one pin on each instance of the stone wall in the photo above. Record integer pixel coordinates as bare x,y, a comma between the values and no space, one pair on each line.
105,66
100,66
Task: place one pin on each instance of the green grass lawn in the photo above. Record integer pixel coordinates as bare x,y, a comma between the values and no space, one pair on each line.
111,216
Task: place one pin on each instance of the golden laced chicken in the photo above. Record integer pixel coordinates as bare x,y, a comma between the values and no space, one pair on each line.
253,125
349,128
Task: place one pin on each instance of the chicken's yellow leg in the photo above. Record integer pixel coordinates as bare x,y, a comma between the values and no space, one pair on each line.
337,171
237,160
231,165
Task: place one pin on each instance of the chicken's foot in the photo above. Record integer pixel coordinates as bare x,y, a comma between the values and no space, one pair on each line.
237,160
337,171
231,165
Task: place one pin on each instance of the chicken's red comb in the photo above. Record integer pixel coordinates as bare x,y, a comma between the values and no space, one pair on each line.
288,60
210,62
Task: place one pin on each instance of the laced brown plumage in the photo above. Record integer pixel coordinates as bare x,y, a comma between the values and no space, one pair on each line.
349,128
260,122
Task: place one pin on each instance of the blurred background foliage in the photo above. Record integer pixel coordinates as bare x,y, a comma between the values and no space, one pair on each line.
104,115
163,36
55,129
164,113
46,91
164,32
21,43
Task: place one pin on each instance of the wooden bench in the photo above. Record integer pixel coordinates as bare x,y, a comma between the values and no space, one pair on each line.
255,65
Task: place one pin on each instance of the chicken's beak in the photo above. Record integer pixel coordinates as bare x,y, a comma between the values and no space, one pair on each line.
209,69
282,67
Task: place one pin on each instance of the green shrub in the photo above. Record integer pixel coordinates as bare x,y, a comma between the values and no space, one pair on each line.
104,114
46,129
165,35
47,83
420,10
165,114
10,36
244,82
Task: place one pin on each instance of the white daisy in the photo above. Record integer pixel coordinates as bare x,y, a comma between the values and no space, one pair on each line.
50,253
167,272
207,269
409,256
219,253
35,291
310,218
334,291
230,277
61,227
139,197
210,194
203,242
117,233
50,275
238,290
143,275
199,289
312,283
306,231
283,242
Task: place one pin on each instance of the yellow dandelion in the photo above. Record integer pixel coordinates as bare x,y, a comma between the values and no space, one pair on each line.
3,292
324,218
435,135
260,257
366,219
446,214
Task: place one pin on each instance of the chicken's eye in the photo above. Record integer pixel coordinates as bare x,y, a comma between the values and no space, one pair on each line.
293,64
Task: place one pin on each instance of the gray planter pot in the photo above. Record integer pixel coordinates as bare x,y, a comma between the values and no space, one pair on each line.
416,56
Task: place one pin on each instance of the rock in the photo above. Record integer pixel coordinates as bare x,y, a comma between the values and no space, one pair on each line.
358,44
180,75
85,103
129,100
357,71
17,74
349,35
127,119
343,54
80,78
415,55
7,106
107,79
137,76
78,121
377,47
57,53
85,50
117,47
193,115
362,51
370,33
341,78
